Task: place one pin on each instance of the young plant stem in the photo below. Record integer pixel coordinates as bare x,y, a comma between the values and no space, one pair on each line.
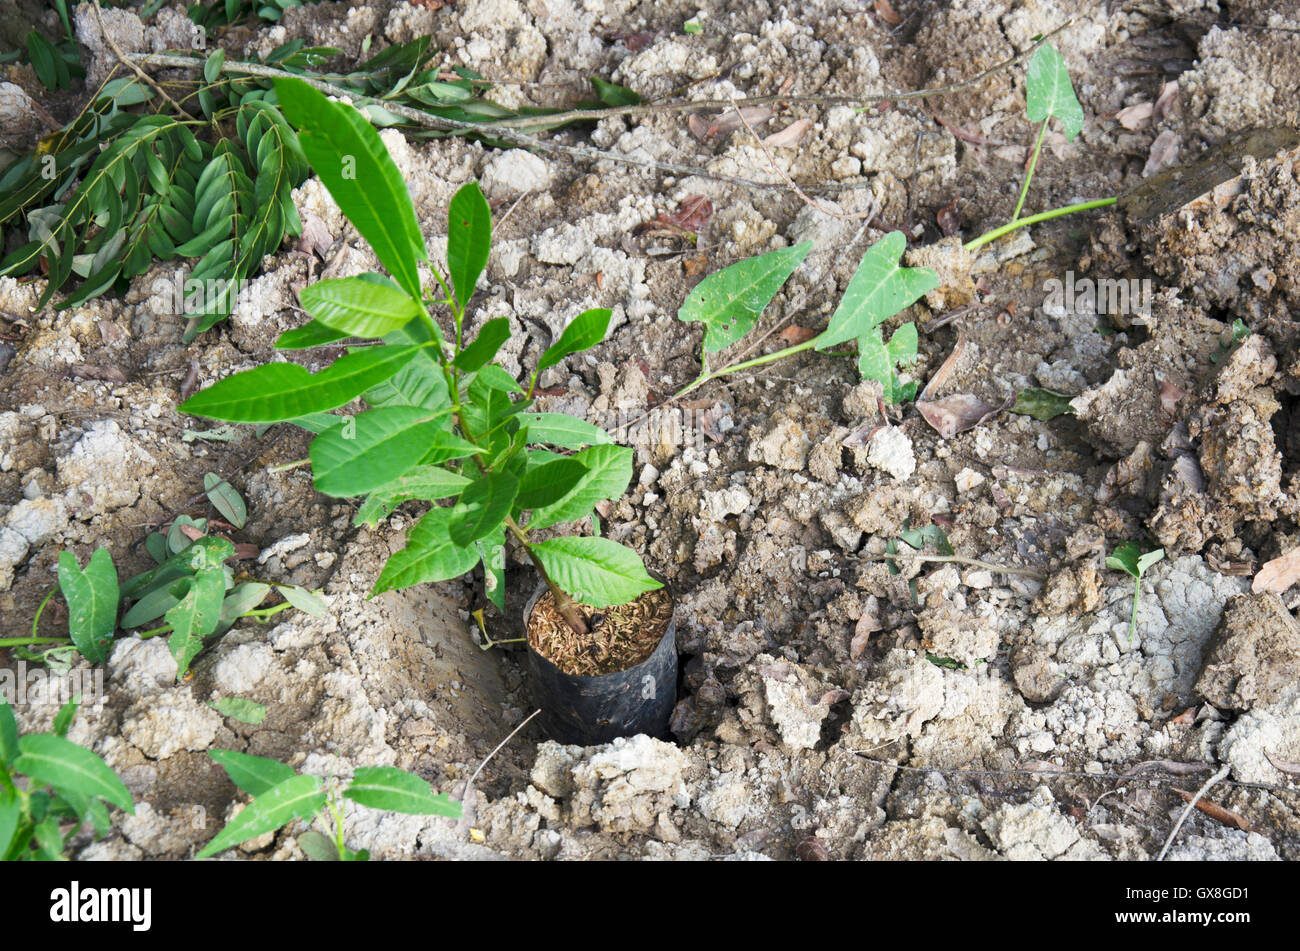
1029,174
707,375
27,641
1133,621
567,607
1010,226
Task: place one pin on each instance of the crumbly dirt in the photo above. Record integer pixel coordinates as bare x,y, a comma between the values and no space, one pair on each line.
827,703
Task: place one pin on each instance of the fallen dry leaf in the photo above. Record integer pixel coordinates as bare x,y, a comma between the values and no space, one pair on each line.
635,42
945,370
796,335
1164,101
1187,717
246,551
1279,574
1170,395
1164,152
86,371
867,625
315,238
192,533
1219,813
1135,116
705,128
1282,766
886,12
956,414
790,136
948,220
696,265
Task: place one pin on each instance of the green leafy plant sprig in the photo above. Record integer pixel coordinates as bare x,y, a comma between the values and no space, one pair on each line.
192,590
1129,559
66,786
443,421
281,795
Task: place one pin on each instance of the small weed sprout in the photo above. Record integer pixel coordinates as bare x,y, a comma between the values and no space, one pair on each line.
1129,559
66,787
281,795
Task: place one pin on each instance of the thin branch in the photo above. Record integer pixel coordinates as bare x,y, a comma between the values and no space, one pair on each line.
956,559
1221,774
129,64
469,785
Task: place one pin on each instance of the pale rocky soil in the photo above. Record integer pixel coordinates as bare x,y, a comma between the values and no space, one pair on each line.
805,667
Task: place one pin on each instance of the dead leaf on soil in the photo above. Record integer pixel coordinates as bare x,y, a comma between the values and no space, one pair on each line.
1170,396
706,127
315,238
1282,766
1136,116
796,335
245,551
948,220
1219,813
192,533
1168,93
85,371
790,136
1279,574
692,214
886,12
946,368
956,414
1164,152
1186,718
867,625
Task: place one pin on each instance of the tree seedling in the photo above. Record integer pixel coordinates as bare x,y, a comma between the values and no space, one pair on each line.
1128,558
281,795
64,786
198,596
443,420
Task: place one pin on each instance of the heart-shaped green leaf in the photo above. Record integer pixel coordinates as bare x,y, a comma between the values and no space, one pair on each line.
729,301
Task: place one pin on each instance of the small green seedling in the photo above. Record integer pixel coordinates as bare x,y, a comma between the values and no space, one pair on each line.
443,420
1129,559
280,795
65,786
1231,337
729,302
192,589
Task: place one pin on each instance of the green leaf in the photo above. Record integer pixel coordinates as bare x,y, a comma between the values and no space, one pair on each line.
1042,404
196,615
729,301
609,470
421,382
1125,558
239,708
351,160
253,774
614,95
311,334
469,235
596,571
373,449
67,713
241,599
429,555
584,331
297,798
280,391
485,346
880,288
308,602
359,307
423,482
492,552
225,499
63,764
1048,91
8,734
1149,559
560,429
11,814
318,847
395,790
548,483
92,597
483,506
212,65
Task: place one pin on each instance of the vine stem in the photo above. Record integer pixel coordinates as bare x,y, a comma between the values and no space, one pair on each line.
1011,226
1029,174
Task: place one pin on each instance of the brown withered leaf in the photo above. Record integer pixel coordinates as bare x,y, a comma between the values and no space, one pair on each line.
1168,93
635,42
1219,813
812,849
85,371
696,265
1186,718
1164,152
245,551
790,136
1170,396
948,220
1279,574
1135,116
192,533
956,414
867,625
946,369
795,335
693,213
1282,766
886,12
706,127
315,238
